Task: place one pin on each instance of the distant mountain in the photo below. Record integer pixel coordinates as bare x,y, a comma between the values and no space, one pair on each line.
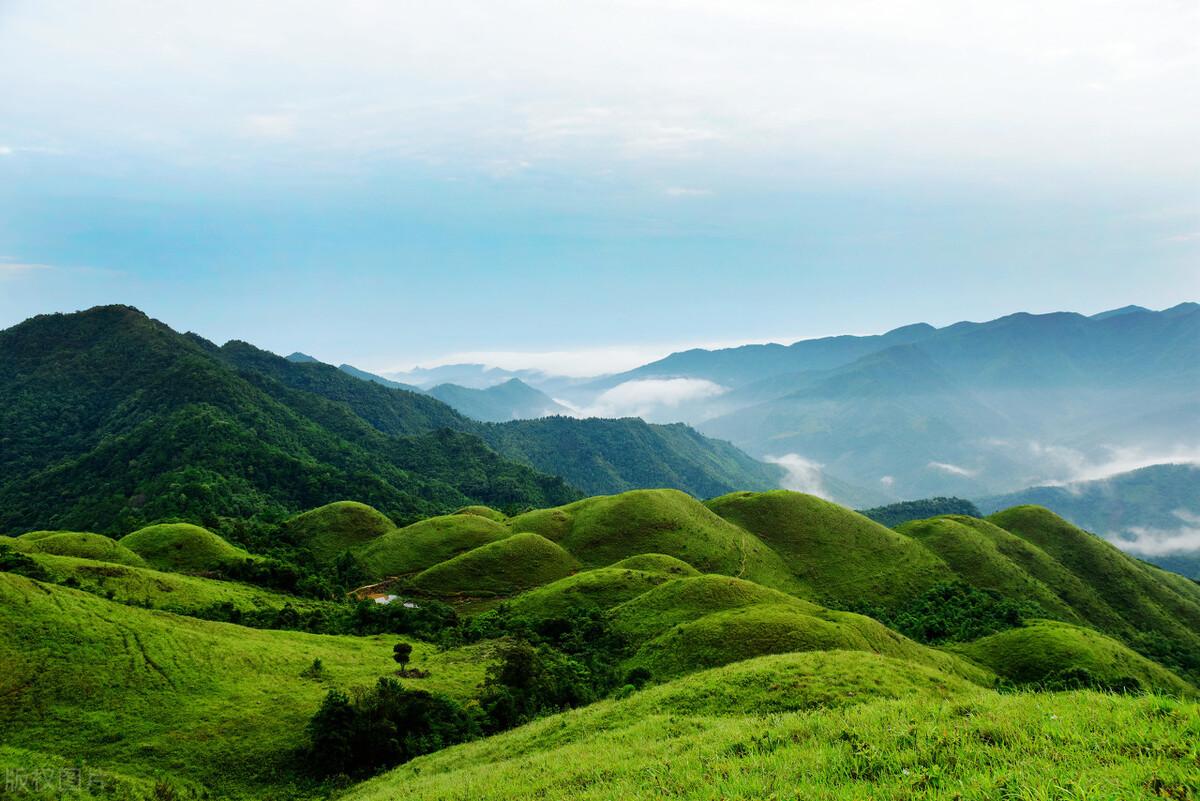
511,400
970,409
350,369
598,456
1153,513
301,358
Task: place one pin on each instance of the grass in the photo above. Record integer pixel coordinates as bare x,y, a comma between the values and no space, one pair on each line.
156,589
426,543
144,692
79,544
1035,652
931,744
334,528
603,530
182,547
839,555
602,588
505,567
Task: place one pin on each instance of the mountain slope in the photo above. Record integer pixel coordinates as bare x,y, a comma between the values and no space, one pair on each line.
112,420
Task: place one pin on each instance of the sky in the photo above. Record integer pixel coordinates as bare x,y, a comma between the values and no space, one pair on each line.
585,186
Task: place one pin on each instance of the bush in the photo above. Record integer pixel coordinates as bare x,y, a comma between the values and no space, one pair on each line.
369,730
955,612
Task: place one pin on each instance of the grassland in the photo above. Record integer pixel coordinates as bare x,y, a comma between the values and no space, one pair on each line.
81,544
148,693
329,530
911,734
504,567
426,543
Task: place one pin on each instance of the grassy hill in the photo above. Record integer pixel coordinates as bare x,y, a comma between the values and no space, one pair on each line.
182,547
334,528
428,542
601,531
504,567
841,556
80,544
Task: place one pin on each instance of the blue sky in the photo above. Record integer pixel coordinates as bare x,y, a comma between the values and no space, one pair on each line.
391,184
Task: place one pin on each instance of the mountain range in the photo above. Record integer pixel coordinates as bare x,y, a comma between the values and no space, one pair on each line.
113,419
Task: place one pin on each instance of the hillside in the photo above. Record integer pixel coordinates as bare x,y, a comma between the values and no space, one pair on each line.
1142,511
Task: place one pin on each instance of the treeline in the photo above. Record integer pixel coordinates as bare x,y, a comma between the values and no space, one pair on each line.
896,514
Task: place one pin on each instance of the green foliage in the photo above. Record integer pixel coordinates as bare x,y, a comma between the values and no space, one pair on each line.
79,544
427,542
330,530
895,514
362,733
955,612
19,563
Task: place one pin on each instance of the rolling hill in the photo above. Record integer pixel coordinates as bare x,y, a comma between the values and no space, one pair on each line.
511,400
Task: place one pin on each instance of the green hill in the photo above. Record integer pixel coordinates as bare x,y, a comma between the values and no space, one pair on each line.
504,567
1160,611
334,528
602,588
601,531
79,544
422,545
839,555
658,563
895,514
183,548
1045,651
733,635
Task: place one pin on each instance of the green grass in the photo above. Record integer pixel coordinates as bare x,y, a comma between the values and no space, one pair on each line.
182,547
505,567
144,692
156,589
334,528
1033,653
602,588
428,542
80,544
603,530
732,635
981,746
658,563
842,557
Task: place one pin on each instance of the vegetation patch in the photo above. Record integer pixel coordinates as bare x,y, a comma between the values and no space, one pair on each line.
330,530
505,567
184,548
428,542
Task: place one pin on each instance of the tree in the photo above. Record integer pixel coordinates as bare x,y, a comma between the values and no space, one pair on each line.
401,653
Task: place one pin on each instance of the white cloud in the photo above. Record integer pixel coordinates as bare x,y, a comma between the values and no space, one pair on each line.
1069,466
5,150
1191,236
687,191
1159,541
269,126
649,398
13,268
803,475
887,481
953,469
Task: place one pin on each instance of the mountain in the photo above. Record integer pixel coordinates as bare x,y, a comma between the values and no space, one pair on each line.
134,422
970,409
510,400
112,420
896,514
1153,513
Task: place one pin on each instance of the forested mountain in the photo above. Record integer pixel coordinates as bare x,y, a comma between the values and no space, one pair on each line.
970,409
1154,512
510,400
112,419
